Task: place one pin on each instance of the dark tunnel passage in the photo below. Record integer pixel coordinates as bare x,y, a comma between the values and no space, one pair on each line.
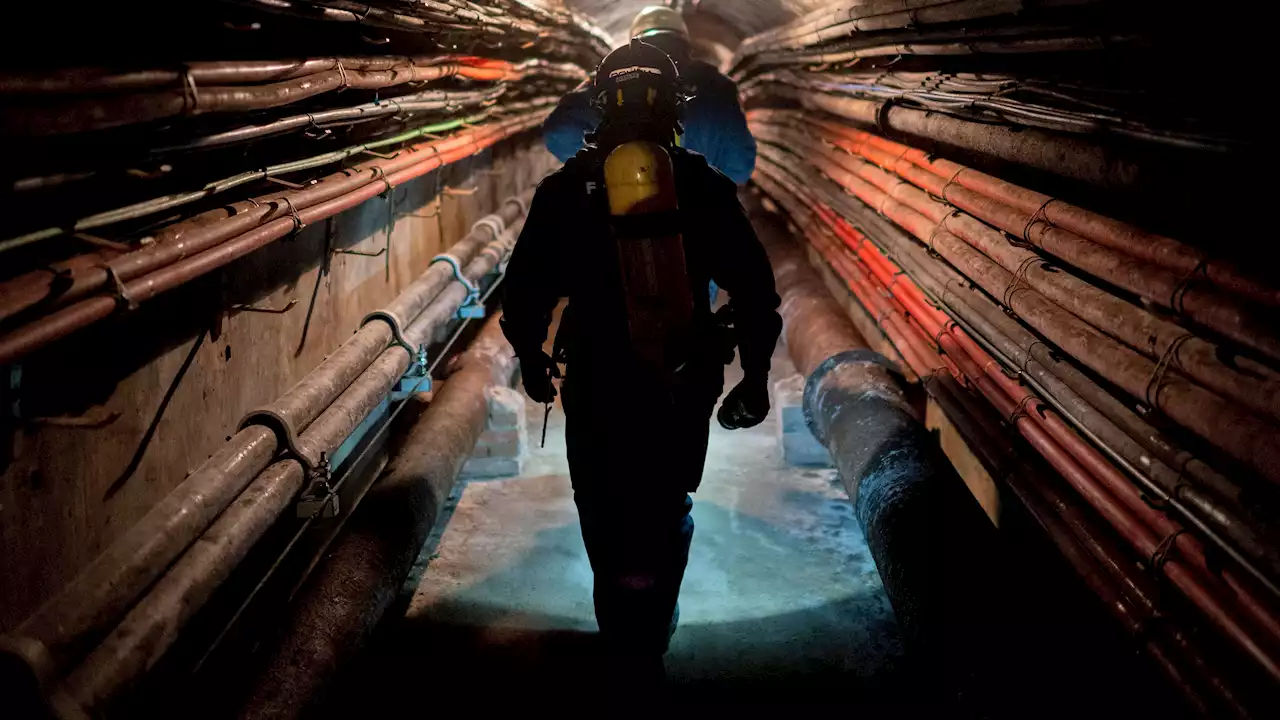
992,299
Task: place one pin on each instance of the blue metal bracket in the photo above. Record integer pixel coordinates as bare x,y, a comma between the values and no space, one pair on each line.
471,308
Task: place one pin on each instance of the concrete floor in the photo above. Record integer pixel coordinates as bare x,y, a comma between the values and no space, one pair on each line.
781,602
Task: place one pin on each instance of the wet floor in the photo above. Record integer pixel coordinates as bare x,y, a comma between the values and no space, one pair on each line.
781,602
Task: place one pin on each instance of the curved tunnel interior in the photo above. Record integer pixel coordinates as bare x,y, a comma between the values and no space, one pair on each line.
267,450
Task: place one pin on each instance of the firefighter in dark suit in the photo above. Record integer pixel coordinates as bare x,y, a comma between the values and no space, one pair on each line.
631,231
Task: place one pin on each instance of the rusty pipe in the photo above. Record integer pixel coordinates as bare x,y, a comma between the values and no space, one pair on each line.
935,325
335,612
1131,442
940,175
1050,436
1241,434
71,280
1094,555
63,628
1073,158
152,626
63,322
190,98
1153,266
947,283
1138,328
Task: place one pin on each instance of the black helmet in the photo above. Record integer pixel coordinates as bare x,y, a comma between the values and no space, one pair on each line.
637,77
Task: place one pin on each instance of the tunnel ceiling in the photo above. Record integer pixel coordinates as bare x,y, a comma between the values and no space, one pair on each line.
741,17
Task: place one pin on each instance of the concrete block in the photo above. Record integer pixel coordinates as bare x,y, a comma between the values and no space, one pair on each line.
799,447
501,443
506,408
503,448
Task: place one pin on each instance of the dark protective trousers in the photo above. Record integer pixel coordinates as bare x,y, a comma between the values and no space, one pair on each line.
634,457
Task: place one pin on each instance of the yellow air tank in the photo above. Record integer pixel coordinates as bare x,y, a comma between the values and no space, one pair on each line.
640,185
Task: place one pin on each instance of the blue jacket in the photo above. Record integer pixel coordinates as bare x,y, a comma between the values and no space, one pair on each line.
714,124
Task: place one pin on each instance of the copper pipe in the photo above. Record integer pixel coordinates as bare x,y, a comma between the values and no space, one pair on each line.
184,265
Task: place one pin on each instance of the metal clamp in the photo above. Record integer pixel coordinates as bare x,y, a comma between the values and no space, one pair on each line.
519,203
493,222
397,332
470,307
283,431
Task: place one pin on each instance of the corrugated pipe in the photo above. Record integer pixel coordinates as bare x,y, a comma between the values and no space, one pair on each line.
65,627
1135,326
1101,485
153,624
208,241
334,614
1243,435
933,545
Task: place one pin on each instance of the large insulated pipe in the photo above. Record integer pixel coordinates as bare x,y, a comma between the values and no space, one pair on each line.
935,549
337,609
152,626
64,627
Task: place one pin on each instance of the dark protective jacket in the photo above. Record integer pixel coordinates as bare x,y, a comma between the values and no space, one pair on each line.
567,250
714,124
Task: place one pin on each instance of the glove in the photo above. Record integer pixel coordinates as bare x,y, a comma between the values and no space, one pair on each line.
746,405
536,371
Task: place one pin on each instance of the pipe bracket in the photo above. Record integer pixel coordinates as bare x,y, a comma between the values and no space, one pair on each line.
493,222
473,290
285,436
397,332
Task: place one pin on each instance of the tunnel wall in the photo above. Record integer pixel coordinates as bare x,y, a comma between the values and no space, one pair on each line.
1011,203
93,398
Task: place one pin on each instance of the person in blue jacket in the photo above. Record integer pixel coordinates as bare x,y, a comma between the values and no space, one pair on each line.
714,124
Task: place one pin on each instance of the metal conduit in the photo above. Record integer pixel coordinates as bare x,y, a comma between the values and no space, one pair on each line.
48,641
